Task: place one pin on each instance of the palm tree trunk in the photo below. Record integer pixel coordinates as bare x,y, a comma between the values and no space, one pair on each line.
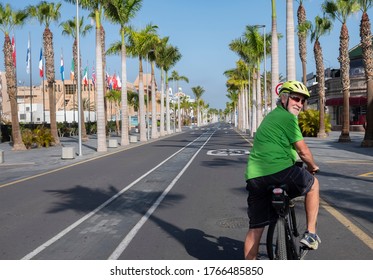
290,49
168,119
240,109
259,112
102,36
274,54
162,132
141,104
366,45
254,105
101,118
49,67
344,61
124,101
11,84
301,14
320,87
154,108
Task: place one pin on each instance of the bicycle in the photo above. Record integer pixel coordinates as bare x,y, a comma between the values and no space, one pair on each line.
283,236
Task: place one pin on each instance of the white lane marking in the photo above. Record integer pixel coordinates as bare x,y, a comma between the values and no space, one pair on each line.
84,218
126,241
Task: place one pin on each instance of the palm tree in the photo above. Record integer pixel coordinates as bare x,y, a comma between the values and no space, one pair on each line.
46,13
96,7
176,77
160,59
185,105
240,46
238,80
274,55
322,27
114,97
121,12
133,100
255,44
366,46
198,91
152,58
341,10
168,58
290,51
301,15
9,19
69,29
140,44
232,106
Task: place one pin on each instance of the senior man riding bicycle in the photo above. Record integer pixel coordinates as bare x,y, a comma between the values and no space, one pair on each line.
272,161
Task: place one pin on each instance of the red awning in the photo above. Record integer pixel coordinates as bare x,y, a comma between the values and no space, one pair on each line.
354,101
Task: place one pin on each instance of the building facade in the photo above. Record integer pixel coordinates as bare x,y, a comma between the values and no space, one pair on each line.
33,102
334,96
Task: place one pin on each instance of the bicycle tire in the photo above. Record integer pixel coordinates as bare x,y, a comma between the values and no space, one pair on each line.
300,224
276,240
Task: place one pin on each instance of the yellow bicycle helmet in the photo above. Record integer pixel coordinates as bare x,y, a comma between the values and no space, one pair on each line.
294,87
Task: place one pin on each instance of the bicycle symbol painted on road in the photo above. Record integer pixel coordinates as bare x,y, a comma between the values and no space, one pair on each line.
228,152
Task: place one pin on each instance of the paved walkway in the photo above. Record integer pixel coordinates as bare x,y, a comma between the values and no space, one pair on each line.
20,164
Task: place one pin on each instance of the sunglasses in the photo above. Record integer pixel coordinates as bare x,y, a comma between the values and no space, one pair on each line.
297,99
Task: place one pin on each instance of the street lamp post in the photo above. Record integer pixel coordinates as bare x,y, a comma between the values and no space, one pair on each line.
265,70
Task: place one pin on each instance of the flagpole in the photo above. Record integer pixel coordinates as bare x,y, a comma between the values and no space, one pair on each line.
94,92
89,97
30,80
62,70
78,81
42,69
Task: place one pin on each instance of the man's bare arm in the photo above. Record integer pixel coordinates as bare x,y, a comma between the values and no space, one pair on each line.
306,156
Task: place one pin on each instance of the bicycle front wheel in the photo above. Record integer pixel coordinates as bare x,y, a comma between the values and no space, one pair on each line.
276,240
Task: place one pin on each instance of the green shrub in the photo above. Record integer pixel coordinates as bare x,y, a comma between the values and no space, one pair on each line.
27,137
39,137
43,136
309,122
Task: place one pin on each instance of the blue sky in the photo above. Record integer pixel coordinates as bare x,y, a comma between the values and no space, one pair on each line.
201,29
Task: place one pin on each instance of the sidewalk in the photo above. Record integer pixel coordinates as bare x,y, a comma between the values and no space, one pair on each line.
329,149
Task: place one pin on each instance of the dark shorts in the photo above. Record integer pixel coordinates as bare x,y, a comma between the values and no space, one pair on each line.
260,210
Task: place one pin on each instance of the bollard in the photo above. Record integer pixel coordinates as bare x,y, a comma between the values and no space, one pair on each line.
1,156
113,143
133,138
68,153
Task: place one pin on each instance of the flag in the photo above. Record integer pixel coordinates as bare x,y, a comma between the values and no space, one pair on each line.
72,70
119,83
85,77
114,82
14,51
62,69
41,72
108,82
28,57
93,76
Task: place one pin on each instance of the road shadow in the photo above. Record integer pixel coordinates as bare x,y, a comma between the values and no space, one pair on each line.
197,243
342,200
201,245
83,199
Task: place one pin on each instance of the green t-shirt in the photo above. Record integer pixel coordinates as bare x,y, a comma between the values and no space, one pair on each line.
273,148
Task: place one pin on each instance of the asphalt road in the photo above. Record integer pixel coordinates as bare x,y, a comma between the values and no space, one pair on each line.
181,197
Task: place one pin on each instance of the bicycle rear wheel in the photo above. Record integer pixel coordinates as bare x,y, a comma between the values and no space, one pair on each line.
298,225
276,240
